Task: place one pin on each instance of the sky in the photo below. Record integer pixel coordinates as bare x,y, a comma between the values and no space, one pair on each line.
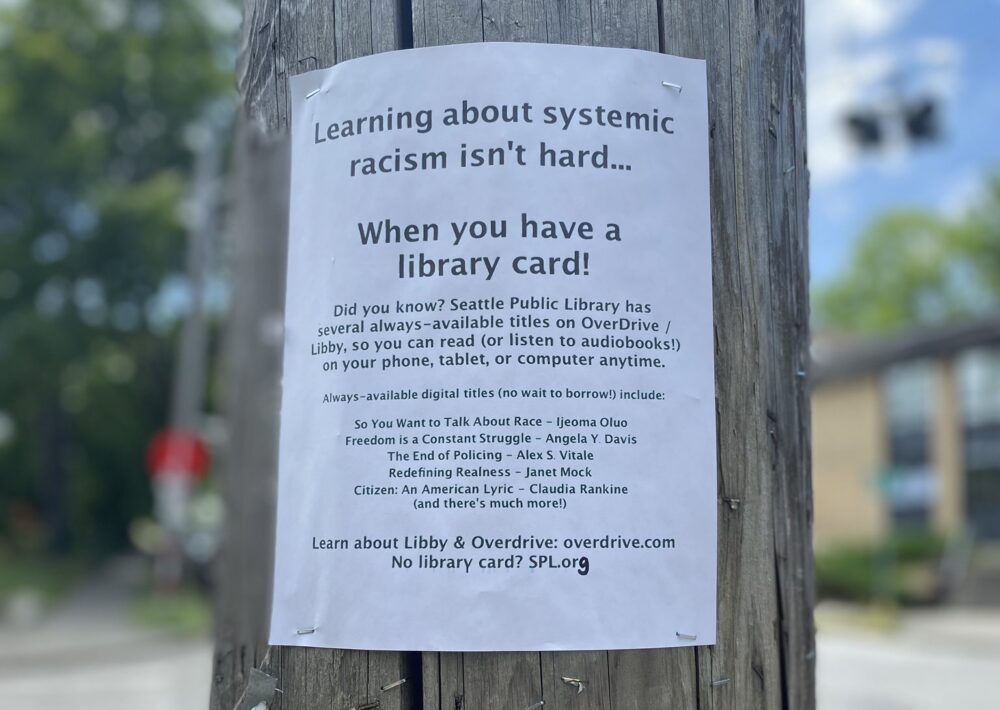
861,52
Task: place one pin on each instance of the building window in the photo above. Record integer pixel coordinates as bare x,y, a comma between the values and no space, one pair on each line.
978,377
908,483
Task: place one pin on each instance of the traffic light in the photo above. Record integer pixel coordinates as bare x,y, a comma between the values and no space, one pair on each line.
865,128
921,118
918,120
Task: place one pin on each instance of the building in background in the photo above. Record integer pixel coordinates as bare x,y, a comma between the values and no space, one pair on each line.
906,434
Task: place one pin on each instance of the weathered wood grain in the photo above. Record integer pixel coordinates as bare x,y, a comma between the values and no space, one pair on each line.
591,668
253,355
764,657
280,39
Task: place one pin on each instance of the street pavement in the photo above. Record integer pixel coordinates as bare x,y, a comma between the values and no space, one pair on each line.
935,659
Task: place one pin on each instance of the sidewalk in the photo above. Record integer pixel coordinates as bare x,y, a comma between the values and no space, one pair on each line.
88,655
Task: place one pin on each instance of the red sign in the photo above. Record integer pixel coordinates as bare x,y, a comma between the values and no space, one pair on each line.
175,452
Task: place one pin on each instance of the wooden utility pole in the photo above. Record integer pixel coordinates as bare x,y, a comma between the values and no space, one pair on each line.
764,657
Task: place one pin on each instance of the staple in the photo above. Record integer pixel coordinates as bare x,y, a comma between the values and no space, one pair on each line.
394,684
575,682
671,85
733,503
720,682
306,631
686,637
789,169
373,705
801,373
537,705
312,93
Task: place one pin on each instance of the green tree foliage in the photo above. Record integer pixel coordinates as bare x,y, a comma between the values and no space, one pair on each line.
97,103
918,268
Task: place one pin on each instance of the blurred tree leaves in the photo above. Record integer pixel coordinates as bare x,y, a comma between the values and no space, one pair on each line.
913,268
98,105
